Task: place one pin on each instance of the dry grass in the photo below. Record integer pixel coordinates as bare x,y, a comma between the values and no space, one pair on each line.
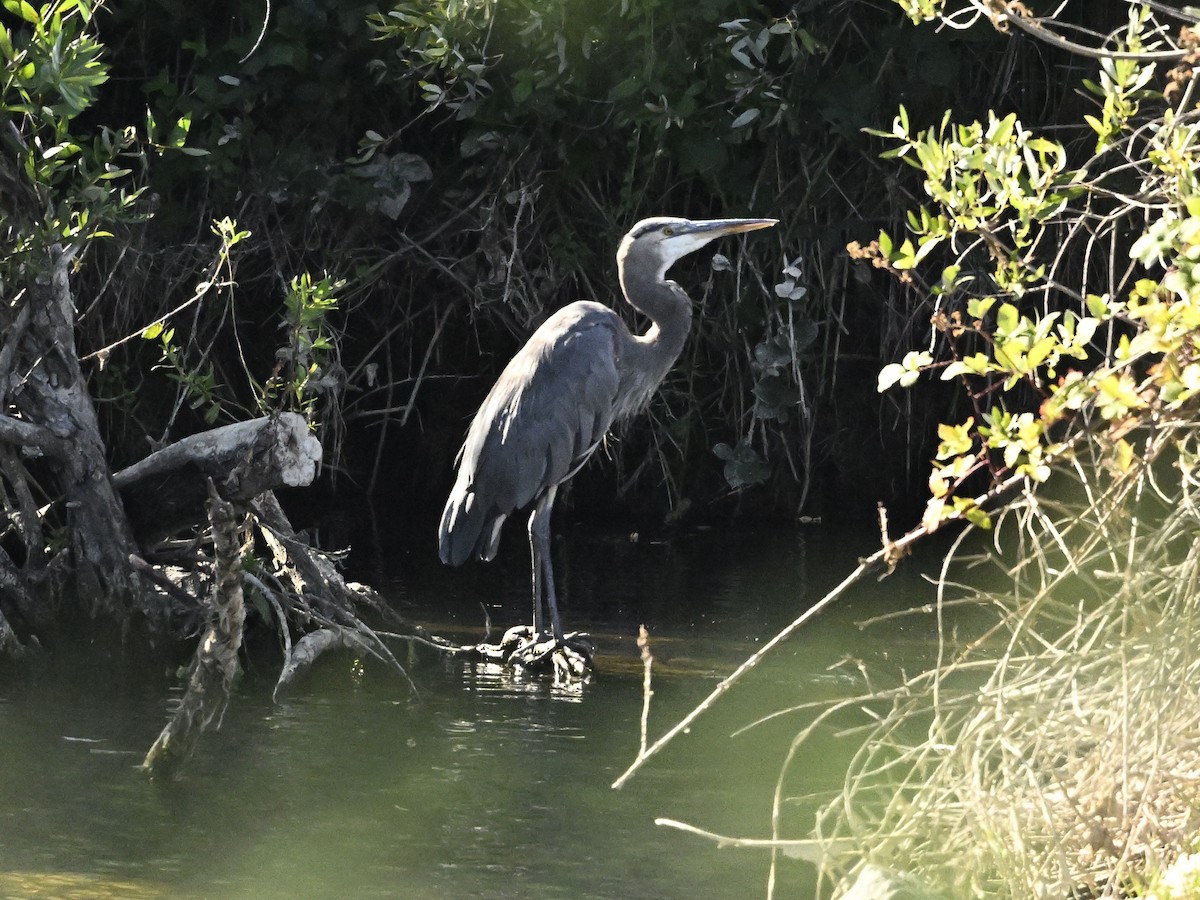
1054,751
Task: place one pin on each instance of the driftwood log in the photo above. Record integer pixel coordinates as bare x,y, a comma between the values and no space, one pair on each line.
166,492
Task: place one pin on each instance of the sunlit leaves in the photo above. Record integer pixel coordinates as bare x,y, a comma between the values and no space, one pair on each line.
906,372
957,440
1120,86
306,368
980,173
1107,362
52,69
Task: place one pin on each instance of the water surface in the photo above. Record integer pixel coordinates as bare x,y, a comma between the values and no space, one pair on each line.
483,785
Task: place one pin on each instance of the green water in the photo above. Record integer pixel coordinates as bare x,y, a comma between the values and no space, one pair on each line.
483,786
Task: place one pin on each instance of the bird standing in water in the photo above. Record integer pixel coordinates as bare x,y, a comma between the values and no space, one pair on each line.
580,372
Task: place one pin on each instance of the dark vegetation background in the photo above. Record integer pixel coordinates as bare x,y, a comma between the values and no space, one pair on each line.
469,167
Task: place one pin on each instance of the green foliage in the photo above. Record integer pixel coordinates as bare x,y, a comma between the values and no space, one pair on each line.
743,466
72,186
1065,302
542,73
1122,84
1122,354
307,365
466,168
198,382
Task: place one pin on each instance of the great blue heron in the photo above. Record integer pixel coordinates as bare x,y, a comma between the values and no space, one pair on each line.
554,402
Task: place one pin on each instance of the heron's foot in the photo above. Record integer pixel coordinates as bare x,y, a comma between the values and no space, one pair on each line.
567,660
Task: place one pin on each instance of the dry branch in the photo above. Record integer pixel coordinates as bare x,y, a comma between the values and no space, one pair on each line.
216,661
29,436
166,491
808,849
884,558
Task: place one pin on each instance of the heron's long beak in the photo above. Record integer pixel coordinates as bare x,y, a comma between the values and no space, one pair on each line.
718,227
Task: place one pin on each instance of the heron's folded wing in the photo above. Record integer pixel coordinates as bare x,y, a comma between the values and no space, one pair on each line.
552,406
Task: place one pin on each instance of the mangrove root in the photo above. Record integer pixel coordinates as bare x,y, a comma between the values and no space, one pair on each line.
215,663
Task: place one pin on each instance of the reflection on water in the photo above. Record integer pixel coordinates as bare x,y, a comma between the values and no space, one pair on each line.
488,785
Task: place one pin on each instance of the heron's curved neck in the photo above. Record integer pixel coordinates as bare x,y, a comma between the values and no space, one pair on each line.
667,306
648,357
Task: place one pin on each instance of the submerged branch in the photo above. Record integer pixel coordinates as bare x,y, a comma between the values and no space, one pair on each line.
306,650
216,661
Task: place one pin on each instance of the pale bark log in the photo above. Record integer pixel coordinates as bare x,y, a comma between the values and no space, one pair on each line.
165,492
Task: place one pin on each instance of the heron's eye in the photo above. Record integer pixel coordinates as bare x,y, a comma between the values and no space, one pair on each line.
668,231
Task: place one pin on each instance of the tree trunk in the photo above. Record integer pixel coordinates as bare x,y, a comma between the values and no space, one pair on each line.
52,417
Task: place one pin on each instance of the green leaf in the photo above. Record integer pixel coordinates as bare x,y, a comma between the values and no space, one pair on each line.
957,440
1098,306
977,307
1040,351
22,9
743,465
1007,318
890,375
978,517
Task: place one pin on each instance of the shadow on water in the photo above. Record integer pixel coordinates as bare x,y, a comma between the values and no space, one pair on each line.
487,785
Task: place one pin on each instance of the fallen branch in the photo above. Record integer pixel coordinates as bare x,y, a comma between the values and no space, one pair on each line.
810,850
216,660
885,557
167,490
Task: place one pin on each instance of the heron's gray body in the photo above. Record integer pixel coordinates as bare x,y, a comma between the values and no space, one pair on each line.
544,417
580,372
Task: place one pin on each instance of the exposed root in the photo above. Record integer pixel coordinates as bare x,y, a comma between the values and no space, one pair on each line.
215,664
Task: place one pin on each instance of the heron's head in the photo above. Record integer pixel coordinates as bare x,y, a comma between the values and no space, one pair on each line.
660,242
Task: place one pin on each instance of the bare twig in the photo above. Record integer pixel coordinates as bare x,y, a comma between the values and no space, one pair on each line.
810,850
261,34
874,561
643,643
1009,13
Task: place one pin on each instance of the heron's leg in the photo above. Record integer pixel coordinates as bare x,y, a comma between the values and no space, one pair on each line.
543,569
